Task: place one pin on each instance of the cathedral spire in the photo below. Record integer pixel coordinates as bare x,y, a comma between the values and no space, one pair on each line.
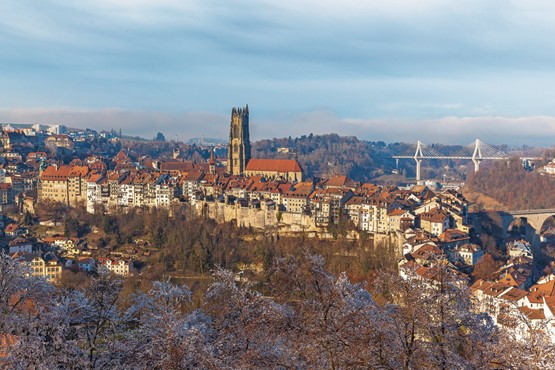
212,160
239,147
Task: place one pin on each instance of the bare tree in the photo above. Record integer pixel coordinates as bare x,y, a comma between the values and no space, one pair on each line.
163,323
439,312
334,320
249,329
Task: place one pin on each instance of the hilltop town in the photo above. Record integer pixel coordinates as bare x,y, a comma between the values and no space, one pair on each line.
427,229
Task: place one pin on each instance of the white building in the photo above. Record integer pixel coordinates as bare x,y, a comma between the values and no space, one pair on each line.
467,253
519,248
118,267
57,129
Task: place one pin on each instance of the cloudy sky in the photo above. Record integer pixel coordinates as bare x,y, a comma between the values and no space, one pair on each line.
435,70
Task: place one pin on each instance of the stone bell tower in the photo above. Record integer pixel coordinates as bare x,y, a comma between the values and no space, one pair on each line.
239,147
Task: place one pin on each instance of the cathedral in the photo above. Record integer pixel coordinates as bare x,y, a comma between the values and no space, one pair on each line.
239,153
239,147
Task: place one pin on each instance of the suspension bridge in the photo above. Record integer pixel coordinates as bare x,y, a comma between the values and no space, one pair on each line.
476,152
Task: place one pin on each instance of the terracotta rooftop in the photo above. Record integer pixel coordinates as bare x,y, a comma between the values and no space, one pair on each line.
95,177
121,157
435,215
427,251
397,212
550,303
496,289
480,285
356,200
339,181
194,176
185,166
532,314
546,289
514,294
51,173
79,171
273,165
450,235
11,228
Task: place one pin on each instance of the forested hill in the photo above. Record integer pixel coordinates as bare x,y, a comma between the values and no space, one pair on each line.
327,155
513,186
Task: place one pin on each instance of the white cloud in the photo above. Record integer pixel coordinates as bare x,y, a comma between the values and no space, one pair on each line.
531,130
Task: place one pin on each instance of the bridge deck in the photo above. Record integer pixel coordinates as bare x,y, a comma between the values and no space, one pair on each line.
445,157
532,212
521,212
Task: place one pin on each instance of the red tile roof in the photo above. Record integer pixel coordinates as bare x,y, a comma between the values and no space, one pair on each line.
52,173
427,251
95,177
274,165
435,215
514,294
11,228
532,314
193,176
397,212
550,303
185,166
450,235
546,289
339,181
121,157
79,171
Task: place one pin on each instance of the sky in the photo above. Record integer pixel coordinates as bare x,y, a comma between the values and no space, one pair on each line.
397,70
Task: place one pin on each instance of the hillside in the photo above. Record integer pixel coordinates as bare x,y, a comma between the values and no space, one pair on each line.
479,201
328,155
513,186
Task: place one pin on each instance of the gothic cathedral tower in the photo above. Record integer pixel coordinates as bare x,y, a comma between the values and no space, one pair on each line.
239,148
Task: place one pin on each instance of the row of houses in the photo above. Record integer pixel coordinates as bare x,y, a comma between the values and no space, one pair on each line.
117,266
422,249
74,185
512,307
371,208
24,150
47,256
44,265
50,266
516,296
524,310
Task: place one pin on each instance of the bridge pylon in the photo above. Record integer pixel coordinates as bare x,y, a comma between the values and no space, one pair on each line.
477,155
418,159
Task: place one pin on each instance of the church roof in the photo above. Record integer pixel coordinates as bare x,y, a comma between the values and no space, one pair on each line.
121,156
182,166
276,165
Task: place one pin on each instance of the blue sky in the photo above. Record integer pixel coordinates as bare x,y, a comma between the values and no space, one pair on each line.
435,70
